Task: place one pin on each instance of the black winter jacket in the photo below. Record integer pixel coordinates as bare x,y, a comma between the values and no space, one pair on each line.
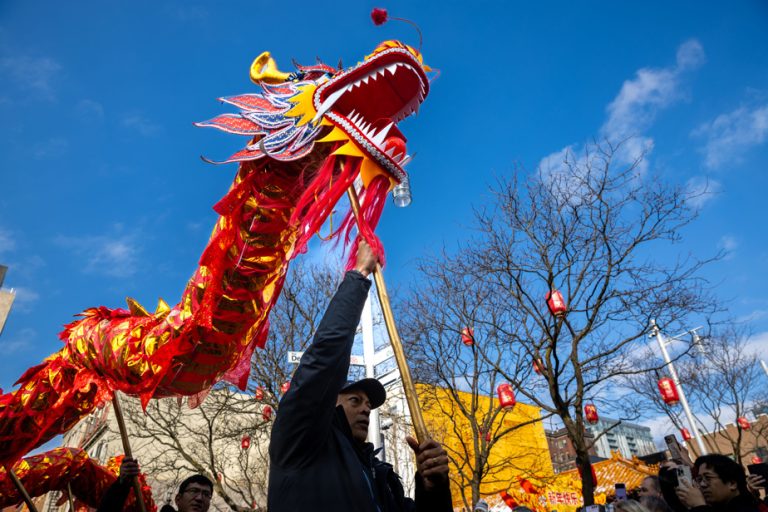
315,464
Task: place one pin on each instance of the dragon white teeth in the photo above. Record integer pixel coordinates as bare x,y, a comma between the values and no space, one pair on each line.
392,68
379,139
389,152
405,160
328,103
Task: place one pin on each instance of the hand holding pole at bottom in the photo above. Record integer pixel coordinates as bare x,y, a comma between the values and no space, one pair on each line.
431,461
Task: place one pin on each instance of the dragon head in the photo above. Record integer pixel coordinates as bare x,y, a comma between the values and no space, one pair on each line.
357,109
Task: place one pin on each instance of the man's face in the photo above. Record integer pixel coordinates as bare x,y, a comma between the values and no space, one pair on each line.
648,489
195,498
357,408
715,491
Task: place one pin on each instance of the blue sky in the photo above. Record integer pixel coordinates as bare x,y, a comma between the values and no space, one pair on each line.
103,194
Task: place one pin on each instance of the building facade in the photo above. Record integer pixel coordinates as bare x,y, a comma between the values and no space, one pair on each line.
6,299
751,443
629,439
562,452
513,449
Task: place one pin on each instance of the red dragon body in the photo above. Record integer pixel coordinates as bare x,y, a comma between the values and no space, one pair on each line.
313,133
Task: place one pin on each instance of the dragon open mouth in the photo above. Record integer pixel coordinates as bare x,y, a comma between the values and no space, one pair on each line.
370,99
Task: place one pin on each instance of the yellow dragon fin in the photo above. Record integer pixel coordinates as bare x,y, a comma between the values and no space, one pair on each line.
135,308
162,308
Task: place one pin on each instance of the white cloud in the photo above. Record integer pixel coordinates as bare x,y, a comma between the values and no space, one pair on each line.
728,244
52,148
22,341
730,135
111,255
690,55
144,126
32,75
632,112
758,344
25,298
7,243
701,190
640,99
90,110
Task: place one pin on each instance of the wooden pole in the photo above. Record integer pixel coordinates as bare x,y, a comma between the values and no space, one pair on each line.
71,499
20,487
397,345
127,449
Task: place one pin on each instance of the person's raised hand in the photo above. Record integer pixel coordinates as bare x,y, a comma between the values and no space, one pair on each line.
755,483
366,259
129,468
431,462
690,495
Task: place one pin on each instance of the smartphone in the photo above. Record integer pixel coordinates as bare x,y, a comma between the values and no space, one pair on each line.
684,475
675,450
621,492
759,469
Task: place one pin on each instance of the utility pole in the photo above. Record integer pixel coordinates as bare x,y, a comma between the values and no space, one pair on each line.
655,331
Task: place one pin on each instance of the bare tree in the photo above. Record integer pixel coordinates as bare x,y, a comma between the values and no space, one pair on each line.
458,381
591,229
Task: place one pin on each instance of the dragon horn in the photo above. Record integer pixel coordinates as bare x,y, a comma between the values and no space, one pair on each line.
264,69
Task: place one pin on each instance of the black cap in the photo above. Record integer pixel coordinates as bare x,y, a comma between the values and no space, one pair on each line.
372,387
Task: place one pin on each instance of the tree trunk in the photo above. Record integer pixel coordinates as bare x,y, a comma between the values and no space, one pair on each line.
585,469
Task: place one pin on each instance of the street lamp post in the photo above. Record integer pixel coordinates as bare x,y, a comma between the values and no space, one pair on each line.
369,352
655,331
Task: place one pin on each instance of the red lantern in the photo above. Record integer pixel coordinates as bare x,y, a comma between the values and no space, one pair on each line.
669,391
259,394
686,435
590,412
537,366
508,500
506,396
468,336
744,423
245,442
266,413
285,386
556,303
757,460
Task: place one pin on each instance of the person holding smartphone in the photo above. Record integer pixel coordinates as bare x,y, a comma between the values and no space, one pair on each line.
721,485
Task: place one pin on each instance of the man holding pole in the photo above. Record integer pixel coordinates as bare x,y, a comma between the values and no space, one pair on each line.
319,458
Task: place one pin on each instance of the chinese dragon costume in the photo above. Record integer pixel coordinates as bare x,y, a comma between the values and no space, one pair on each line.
68,470
313,133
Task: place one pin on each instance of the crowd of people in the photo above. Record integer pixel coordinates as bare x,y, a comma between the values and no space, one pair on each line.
320,460
713,483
